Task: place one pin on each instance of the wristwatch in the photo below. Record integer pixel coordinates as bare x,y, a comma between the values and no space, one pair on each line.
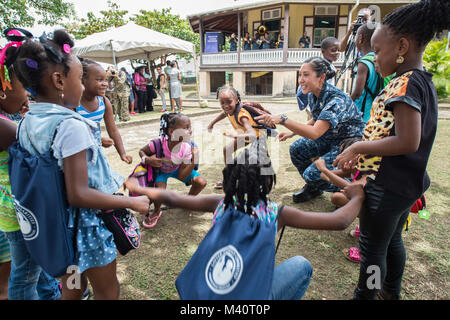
283,119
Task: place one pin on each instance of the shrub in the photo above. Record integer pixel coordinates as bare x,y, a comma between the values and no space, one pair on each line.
437,60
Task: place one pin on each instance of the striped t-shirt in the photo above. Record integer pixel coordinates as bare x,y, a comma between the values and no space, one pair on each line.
96,115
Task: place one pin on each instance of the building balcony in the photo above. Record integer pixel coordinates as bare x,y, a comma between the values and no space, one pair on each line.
260,59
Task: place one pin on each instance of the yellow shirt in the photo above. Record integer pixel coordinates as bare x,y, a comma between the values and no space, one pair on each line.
240,128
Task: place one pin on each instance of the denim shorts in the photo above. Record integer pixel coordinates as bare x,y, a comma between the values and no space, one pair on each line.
163,177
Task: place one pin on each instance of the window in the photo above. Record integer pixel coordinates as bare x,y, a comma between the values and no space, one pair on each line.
271,14
324,26
326,10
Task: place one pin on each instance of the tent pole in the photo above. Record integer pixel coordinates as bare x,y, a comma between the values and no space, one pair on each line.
113,55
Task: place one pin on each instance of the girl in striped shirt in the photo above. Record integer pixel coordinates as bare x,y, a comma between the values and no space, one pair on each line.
96,107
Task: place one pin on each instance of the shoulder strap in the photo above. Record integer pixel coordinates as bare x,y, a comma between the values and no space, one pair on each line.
282,230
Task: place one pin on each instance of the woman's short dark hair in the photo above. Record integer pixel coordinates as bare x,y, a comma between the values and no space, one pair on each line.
321,66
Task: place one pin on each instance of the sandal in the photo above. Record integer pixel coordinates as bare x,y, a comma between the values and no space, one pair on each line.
219,185
352,254
354,233
152,221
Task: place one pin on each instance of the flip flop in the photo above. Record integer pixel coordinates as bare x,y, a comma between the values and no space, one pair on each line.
352,254
153,221
354,233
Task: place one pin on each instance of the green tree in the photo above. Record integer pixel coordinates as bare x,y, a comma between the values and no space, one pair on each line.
171,24
25,13
111,18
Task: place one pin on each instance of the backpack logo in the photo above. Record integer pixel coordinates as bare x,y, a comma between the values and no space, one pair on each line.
224,270
27,221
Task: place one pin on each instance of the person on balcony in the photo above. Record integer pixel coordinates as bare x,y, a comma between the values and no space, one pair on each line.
233,42
256,42
304,41
266,42
247,41
281,39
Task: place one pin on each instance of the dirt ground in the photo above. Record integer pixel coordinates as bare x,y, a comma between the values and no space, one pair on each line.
150,271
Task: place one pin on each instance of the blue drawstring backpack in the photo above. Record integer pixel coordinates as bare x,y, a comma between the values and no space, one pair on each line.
38,188
235,261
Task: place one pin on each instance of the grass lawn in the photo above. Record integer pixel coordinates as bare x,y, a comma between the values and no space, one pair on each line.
150,272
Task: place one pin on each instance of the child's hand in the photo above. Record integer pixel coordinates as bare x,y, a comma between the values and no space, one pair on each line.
324,177
126,158
107,142
141,204
354,190
283,136
154,161
210,128
320,164
131,184
230,134
347,159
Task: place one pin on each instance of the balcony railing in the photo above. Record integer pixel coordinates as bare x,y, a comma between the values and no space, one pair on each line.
267,57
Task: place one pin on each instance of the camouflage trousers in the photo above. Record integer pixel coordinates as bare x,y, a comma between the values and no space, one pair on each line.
120,107
303,150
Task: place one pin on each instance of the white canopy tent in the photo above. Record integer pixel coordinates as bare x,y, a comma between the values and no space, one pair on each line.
130,42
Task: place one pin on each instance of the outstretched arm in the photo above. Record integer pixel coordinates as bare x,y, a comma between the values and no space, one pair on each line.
206,203
334,178
113,132
406,138
337,220
220,117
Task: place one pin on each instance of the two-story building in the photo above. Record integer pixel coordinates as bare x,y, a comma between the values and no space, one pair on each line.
274,71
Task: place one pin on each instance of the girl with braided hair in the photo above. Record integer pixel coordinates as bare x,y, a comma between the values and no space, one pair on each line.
247,183
397,141
27,280
55,75
178,161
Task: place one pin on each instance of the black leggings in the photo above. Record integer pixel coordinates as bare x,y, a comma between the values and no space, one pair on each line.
381,247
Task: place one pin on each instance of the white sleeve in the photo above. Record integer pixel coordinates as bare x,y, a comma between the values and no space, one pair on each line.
72,137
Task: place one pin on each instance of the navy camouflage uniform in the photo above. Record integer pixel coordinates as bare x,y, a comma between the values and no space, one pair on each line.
336,107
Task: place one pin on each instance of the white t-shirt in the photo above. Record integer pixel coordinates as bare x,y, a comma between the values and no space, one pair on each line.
72,137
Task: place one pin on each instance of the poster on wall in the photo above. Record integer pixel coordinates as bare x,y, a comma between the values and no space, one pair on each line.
211,42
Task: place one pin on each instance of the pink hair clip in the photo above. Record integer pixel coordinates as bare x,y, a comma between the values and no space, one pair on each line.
66,48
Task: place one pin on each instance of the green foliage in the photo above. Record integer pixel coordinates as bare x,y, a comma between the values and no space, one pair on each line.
25,13
437,61
173,25
111,18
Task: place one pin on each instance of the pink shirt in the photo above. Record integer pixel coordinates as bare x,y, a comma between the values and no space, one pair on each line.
172,160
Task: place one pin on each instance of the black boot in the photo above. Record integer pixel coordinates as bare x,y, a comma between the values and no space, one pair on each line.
308,192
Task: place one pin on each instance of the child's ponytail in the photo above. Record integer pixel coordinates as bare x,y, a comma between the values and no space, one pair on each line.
34,58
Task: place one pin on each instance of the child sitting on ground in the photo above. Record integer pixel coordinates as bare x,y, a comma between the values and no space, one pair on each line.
339,178
178,161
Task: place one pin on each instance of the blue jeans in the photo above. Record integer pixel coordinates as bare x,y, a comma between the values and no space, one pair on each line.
291,279
27,280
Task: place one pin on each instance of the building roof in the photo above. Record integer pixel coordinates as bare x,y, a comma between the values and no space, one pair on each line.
225,19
